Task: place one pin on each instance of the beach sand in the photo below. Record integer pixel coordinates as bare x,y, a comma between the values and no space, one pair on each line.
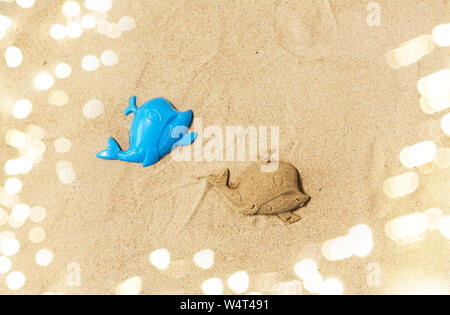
316,69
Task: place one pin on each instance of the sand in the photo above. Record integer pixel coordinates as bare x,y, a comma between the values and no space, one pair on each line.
315,69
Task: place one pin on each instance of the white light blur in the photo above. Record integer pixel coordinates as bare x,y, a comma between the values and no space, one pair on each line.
90,63
18,166
58,31
5,22
293,287
74,30
411,51
204,258
13,185
401,185
22,109
331,286
88,21
25,4
418,154
15,280
20,212
407,229
62,145
433,217
13,56
65,172
44,257
441,35
63,70
5,264
10,247
109,58
358,242
37,214
127,23
445,124
238,282
306,269
444,226
212,286
131,286
93,109
71,9
160,258
58,98
43,81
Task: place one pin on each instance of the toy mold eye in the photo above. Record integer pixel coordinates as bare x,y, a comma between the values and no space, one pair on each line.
153,115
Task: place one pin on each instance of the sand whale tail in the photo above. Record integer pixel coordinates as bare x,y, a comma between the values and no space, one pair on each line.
112,152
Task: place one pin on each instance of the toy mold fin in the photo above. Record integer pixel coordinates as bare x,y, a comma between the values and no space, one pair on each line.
289,217
187,139
151,157
132,108
112,152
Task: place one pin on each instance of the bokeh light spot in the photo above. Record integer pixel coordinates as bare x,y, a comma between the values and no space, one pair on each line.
43,81
88,21
331,286
44,257
10,247
93,109
160,258
37,214
127,23
37,235
13,185
71,9
131,286
20,212
25,4
204,258
58,31
238,282
74,30
58,98
13,56
5,264
22,109
90,63
62,145
63,70
212,286
15,280
109,58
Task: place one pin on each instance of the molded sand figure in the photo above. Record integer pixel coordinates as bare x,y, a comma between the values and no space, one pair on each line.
263,193
156,129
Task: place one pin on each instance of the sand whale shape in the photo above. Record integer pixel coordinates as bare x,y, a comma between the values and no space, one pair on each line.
157,128
263,193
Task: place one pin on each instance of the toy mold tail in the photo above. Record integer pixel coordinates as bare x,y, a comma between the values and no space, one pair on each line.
112,152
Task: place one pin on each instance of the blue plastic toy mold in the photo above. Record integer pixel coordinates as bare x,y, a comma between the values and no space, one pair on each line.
157,128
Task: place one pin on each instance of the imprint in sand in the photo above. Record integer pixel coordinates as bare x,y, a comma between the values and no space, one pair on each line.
305,28
262,193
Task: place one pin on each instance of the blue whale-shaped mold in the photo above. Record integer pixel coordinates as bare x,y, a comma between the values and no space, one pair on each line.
157,128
